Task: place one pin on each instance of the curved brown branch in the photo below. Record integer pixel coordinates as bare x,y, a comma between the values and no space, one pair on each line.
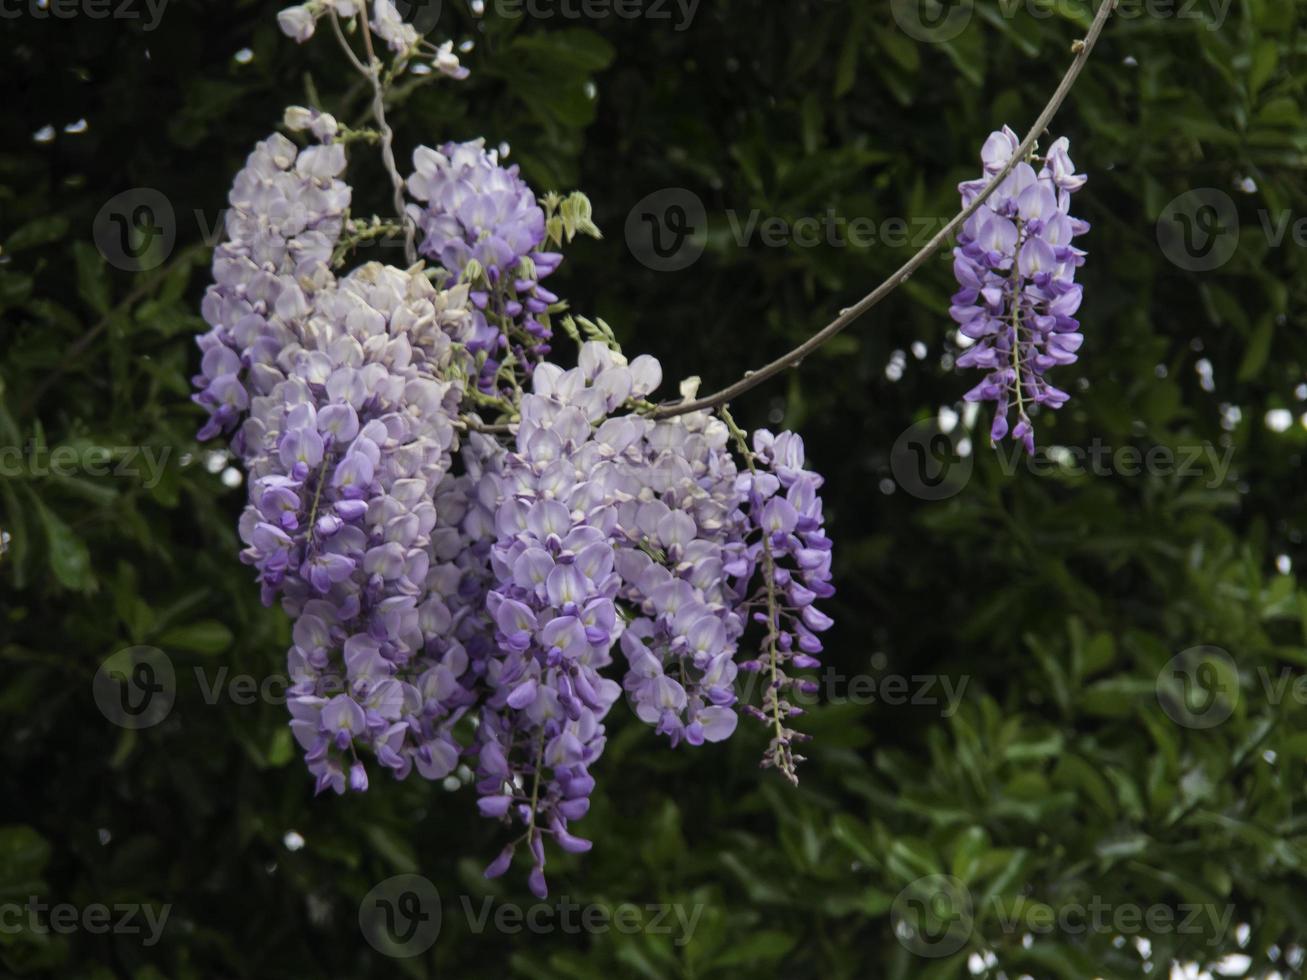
1081,50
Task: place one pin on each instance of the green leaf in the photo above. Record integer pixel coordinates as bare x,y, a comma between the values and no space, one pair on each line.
1257,351
24,853
1281,111
69,559
766,946
208,636
970,847
42,231
92,278
1265,58
397,851
846,70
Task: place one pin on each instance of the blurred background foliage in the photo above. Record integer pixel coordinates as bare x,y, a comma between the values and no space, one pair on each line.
1052,601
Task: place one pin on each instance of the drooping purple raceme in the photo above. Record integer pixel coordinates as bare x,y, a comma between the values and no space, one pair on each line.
792,553
553,606
285,218
1016,267
345,456
685,568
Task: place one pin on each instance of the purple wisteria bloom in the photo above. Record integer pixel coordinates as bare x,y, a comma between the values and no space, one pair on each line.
556,620
1016,267
793,555
286,215
347,455
476,210
685,571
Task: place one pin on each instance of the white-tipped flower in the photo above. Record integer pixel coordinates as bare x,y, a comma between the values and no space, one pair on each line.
298,22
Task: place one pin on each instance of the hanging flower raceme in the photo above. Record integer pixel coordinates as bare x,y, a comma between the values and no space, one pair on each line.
541,727
285,218
792,554
1016,267
345,456
684,569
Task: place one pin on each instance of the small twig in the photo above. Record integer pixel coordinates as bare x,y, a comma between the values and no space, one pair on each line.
344,42
1081,50
471,425
373,74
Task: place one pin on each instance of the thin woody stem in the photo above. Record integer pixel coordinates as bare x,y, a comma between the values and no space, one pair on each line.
373,73
1015,283
784,755
1081,50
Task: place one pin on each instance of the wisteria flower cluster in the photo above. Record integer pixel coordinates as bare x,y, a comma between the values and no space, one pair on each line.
1016,267
483,550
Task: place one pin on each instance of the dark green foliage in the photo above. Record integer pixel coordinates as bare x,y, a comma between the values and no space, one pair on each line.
1051,600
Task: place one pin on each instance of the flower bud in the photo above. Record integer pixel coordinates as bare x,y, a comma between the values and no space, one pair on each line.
297,118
